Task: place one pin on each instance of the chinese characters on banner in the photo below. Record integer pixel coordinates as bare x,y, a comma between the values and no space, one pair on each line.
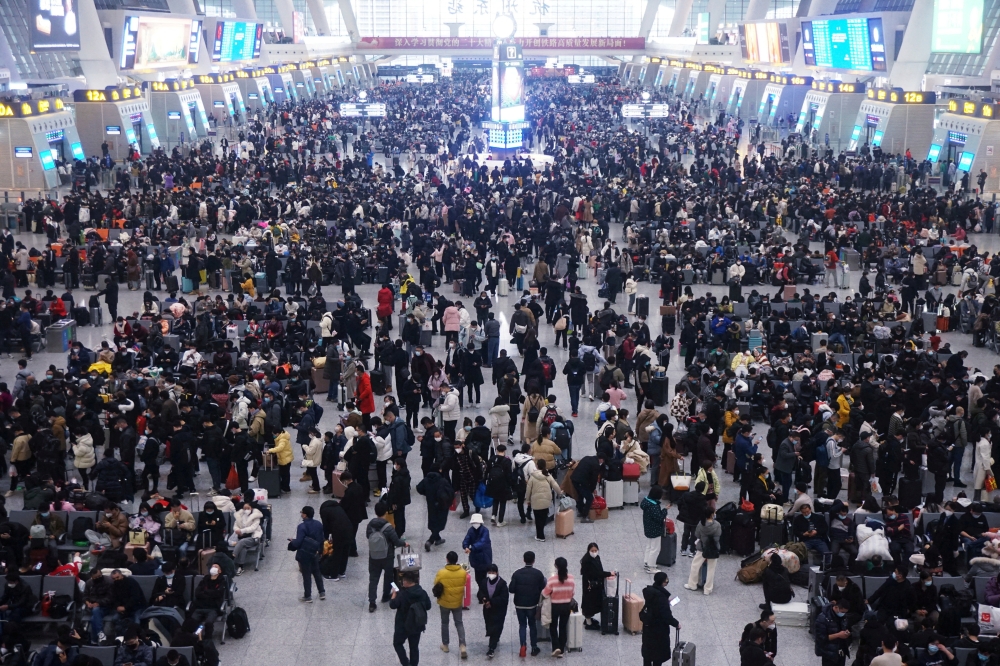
486,43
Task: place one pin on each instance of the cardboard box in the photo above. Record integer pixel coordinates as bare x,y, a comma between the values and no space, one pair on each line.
598,515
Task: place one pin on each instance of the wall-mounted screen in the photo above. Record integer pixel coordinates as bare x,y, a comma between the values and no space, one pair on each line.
851,43
112,129
173,115
765,42
508,84
77,151
23,151
933,152
965,161
957,26
237,40
53,25
158,42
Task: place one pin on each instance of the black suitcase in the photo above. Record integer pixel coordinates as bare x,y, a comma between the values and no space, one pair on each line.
610,607
669,324
744,542
641,306
668,550
726,539
378,382
772,534
910,493
171,283
268,479
82,316
383,275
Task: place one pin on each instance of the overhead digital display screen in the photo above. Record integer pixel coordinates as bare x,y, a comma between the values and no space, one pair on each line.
236,41
23,151
361,110
957,26
53,25
932,154
645,111
508,84
851,43
765,42
965,161
157,42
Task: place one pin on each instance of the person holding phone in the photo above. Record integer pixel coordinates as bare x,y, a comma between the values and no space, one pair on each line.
133,652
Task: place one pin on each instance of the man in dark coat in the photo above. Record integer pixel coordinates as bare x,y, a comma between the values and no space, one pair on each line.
499,480
439,492
657,622
339,529
355,505
494,597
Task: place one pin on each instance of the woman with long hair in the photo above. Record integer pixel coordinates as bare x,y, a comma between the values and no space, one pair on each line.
559,590
593,574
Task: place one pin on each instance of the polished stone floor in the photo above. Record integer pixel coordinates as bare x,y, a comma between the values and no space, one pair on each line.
341,631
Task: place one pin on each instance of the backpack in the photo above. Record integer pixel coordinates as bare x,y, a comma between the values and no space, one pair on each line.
317,411
549,370
416,619
80,527
519,474
550,416
378,545
59,606
496,476
607,375
533,414
589,361
562,438
446,494
772,437
237,623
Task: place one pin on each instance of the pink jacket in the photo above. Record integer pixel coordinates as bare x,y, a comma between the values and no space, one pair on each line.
450,319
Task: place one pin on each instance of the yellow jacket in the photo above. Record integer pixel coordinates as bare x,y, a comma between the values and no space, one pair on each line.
728,419
452,577
21,450
283,447
248,287
844,403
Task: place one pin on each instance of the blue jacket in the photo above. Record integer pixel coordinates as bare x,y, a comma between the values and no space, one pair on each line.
308,541
24,323
655,444
397,433
307,423
745,450
477,540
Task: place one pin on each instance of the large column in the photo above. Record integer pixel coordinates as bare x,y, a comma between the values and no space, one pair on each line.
319,16
648,18
95,61
681,12
245,9
286,12
182,7
350,20
757,10
716,10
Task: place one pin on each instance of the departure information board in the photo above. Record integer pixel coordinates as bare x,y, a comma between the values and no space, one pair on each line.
851,43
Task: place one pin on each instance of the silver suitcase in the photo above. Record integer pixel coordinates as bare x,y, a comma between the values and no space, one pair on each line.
614,494
683,654
574,636
630,494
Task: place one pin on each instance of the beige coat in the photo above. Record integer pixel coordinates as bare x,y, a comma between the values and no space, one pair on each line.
539,491
633,451
312,453
529,431
646,418
547,451
981,463
499,422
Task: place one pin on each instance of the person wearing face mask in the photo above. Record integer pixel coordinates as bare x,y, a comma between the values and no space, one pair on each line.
937,653
972,526
127,597
769,626
845,589
111,527
209,596
494,596
593,576
656,622
832,634
440,494
752,650
168,589
896,598
55,527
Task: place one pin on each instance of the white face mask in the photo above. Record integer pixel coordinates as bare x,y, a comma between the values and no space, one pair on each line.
491,576
594,553
214,571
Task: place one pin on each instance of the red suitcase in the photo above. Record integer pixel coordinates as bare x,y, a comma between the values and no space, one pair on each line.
630,471
467,601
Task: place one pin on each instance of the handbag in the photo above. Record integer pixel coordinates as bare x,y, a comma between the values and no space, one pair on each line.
408,560
137,537
990,484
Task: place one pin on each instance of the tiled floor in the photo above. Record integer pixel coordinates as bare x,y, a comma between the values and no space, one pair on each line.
340,631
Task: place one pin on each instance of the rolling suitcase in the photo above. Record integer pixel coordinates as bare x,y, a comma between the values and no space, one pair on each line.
632,605
383,274
789,292
82,316
743,539
683,654
204,555
467,598
260,282
378,381
96,317
609,610
338,486
574,635
630,493
641,306
910,492
186,285
171,283
426,336
581,271
668,550
565,521
322,383
503,287
730,462
614,494
268,479
718,277
772,534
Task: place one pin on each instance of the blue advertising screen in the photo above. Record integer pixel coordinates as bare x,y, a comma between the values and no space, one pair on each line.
77,151
236,40
932,154
965,161
849,43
